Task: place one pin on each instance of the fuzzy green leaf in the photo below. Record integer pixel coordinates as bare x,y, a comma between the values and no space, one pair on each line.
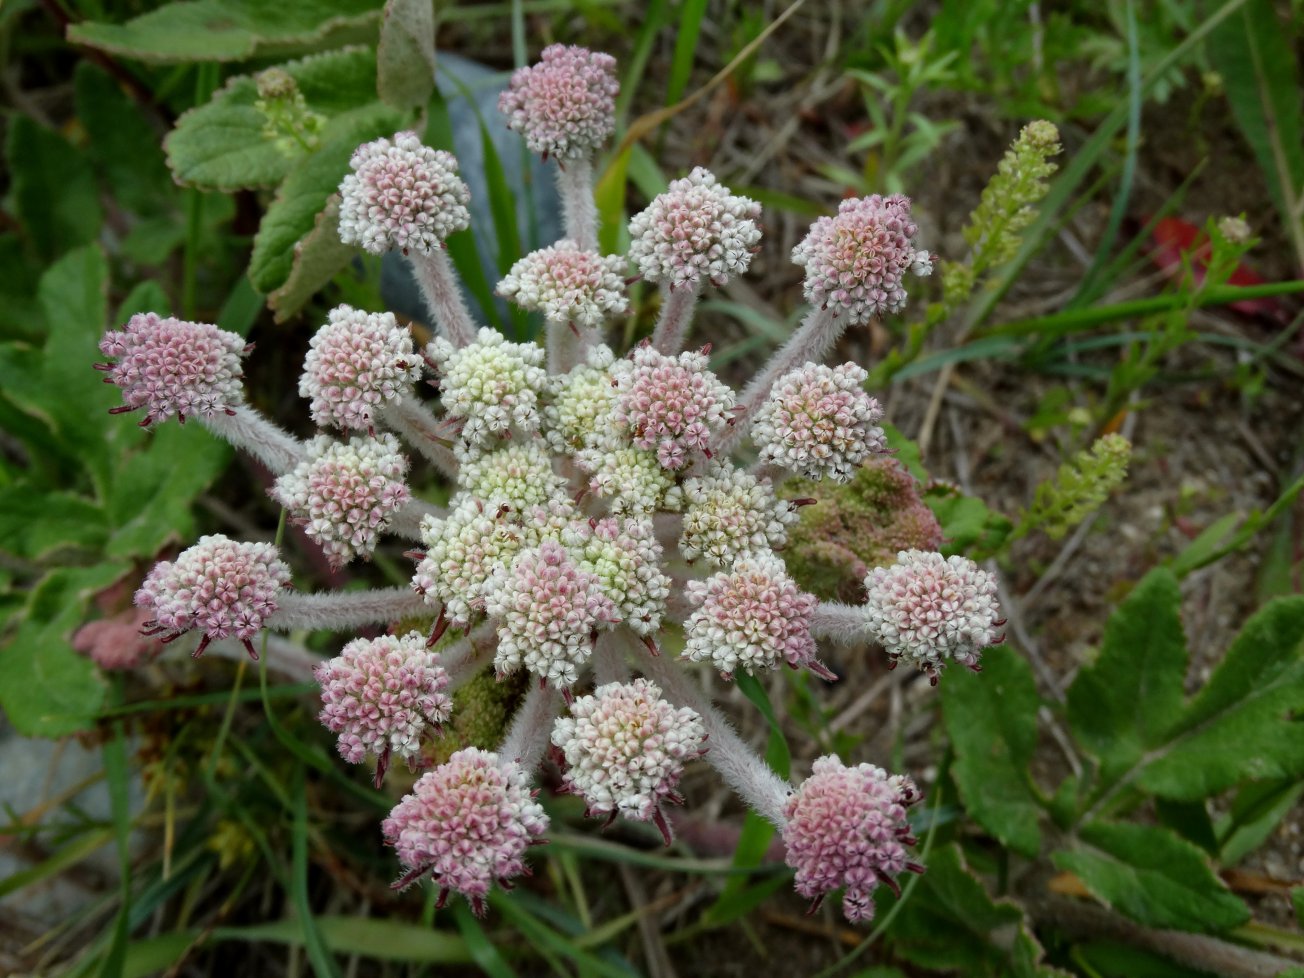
33,524
992,722
123,144
1130,697
46,688
1154,877
1244,724
406,56
53,188
230,30
318,257
305,192
224,145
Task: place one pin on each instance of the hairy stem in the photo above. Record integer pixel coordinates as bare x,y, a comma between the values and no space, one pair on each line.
286,658
531,728
814,338
407,521
578,208
340,611
842,623
677,307
413,420
735,762
438,284
609,665
465,657
249,431
565,346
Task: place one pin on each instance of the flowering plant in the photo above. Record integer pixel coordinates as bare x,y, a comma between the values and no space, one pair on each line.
598,510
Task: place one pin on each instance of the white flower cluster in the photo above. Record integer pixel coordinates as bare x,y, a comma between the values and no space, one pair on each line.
491,384
729,514
568,284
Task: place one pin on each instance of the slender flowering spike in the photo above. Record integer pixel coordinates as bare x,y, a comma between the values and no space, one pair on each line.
818,421
729,514
695,230
467,823
927,608
221,587
168,366
381,695
855,261
402,196
579,415
550,609
357,362
751,617
672,405
625,749
492,384
568,284
565,105
624,557
518,476
847,828
345,493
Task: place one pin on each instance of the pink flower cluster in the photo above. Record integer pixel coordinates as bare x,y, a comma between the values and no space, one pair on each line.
673,405
819,421
855,261
695,230
219,586
568,284
380,695
549,611
847,828
344,493
402,195
564,104
467,823
927,608
168,366
356,363
625,749
751,617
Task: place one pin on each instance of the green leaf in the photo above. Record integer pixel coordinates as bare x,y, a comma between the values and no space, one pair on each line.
1255,814
405,58
303,195
968,524
1297,901
33,524
323,963
53,188
230,30
1242,724
318,257
222,145
1255,57
46,688
123,143
1154,877
992,722
1131,696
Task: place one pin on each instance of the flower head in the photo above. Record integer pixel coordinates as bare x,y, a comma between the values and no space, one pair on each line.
565,104
697,229
219,586
751,617
729,514
345,493
467,823
357,362
116,642
578,416
624,558
927,608
380,695
671,404
462,552
855,261
491,383
625,749
168,366
847,828
630,479
518,475
402,195
549,609
568,284
818,421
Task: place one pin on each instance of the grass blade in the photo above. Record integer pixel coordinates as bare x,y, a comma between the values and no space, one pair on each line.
688,30
323,963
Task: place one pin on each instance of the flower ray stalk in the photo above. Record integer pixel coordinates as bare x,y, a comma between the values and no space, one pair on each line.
344,610
578,208
676,316
410,418
443,296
